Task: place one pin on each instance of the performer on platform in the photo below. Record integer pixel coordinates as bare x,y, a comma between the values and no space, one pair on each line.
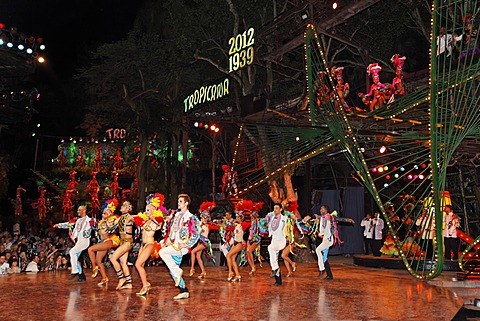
107,240
119,258
182,233
450,223
81,232
204,243
150,221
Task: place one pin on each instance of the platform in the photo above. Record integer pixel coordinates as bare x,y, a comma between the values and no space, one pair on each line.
355,293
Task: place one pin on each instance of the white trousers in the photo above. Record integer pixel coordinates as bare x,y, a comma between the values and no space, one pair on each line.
82,244
324,245
273,249
172,259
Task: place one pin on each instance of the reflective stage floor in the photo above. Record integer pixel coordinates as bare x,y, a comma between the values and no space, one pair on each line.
355,293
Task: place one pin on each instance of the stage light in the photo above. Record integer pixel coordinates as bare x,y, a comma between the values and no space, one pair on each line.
200,125
195,124
297,138
335,5
402,169
212,128
374,170
41,60
380,169
385,168
424,166
9,45
387,177
385,185
29,51
382,149
2,26
396,175
409,177
217,130
42,47
20,47
415,167
206,126
421,176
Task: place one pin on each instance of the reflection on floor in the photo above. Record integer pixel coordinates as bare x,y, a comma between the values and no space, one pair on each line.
356,293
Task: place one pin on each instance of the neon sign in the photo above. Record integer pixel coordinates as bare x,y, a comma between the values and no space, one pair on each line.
116,133
241,52
207,93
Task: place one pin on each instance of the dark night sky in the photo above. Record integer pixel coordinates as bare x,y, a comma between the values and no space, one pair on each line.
69,28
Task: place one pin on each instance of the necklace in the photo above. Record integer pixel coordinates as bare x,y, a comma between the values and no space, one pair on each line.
276,222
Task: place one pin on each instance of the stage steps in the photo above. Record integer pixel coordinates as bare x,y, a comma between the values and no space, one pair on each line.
471,269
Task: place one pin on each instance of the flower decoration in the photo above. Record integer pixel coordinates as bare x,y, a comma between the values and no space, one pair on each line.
110,205
156,199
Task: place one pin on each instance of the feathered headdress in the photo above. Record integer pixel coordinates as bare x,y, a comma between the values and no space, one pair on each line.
110,205
373,69
207,206
291,206
156,200
257,206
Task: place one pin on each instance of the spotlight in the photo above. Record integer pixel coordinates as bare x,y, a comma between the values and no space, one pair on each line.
335,5
41,60
2,42
29,51
410,177
374,170
217,130
21,47
9,45
42,47
382,149
380,169
195,124
297,138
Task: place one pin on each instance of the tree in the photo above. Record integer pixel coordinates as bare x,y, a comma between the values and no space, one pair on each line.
131,84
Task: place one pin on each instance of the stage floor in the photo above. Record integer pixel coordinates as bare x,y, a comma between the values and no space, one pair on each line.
356,293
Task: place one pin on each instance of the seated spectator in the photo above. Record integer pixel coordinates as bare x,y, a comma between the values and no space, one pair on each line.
33,265
3,265
14,268
62,263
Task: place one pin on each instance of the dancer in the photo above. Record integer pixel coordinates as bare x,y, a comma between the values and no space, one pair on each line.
254,238
108,240
277,224
327,233
120,256
204,243
226,226
237,247
80,230
181,234
150,221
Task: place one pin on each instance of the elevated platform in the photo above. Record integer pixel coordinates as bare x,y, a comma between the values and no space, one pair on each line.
388,262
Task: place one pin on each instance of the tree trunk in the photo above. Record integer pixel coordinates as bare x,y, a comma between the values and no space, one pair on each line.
141,171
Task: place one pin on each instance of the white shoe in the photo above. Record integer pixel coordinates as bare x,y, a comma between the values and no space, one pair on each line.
183,295
178,278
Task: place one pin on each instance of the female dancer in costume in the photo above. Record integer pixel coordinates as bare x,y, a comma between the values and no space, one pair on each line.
254,238
238,244
120,256
204,242
150,221
98,251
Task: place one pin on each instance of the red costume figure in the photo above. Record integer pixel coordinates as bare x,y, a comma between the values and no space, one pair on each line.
378,92
229,181
95,207
61,159
114,186
342,89
40,204
97,166
322,91
397,84
117,160
135,186
73,182
67,205
93,185
125,194
17,202
80,157
154,159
